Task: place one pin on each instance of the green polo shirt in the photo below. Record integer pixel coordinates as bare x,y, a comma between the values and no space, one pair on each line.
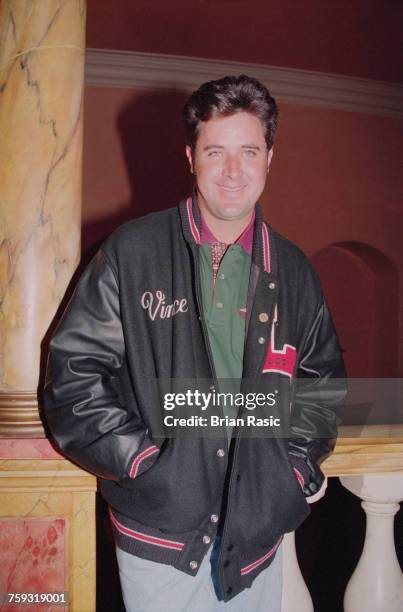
224,309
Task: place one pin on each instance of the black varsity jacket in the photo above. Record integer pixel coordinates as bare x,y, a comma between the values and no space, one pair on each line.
135,318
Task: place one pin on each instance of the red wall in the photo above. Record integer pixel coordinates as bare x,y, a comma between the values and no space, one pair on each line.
358,38
334,179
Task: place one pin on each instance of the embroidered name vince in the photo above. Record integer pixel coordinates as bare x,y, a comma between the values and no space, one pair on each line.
156,307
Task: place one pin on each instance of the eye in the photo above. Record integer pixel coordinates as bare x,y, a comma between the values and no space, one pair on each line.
214,153
250,153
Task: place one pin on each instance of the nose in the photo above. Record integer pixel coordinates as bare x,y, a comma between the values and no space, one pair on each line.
232,166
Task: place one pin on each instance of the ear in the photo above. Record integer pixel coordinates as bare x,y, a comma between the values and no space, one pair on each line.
269,158
189,155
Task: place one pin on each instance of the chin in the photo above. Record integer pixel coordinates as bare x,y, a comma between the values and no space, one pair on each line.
234,213
236,206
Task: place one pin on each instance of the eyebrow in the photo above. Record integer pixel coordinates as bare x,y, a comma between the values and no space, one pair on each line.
208,147
246,146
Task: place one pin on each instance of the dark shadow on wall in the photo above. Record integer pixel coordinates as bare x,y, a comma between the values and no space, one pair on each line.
153,143
109,595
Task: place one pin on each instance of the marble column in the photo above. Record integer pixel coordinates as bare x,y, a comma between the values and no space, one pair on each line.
41,90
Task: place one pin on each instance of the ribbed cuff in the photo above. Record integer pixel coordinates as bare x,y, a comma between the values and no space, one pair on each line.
301,466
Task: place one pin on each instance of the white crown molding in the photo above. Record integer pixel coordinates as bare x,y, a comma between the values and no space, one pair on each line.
128,69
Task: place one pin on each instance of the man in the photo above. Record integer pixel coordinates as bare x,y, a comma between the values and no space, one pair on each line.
206,291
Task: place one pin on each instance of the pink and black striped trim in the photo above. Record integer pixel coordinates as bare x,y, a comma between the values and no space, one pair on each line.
192,223
266,248
143,537
249,568
299,476
143,455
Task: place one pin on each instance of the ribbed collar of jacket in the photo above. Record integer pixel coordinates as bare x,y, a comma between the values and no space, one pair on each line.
263,251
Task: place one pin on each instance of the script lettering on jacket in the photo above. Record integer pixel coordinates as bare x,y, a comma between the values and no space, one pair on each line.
156,307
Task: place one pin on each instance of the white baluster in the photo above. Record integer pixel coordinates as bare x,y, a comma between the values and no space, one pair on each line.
296,597
377,582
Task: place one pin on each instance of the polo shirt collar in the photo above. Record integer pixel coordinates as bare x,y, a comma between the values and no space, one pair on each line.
263,252
245,240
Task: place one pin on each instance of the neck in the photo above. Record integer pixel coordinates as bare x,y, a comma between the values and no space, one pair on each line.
226,230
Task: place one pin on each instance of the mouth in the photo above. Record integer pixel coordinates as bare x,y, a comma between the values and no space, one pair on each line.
231,188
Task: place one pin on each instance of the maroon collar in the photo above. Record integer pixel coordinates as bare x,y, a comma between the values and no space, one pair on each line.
245,240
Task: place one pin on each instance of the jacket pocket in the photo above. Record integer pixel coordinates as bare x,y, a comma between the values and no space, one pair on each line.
300,471
143,460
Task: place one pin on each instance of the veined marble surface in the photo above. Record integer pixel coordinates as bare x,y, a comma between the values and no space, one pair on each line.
41,86
47,530
27,448
32,558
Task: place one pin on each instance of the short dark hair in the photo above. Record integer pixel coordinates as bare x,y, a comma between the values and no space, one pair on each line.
225,97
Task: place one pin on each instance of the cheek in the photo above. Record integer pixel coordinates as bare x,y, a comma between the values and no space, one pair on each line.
260,173
207,173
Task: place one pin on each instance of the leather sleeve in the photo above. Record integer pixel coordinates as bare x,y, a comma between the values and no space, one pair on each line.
82,405
319,389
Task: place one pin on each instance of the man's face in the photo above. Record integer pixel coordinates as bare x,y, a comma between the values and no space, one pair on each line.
230,163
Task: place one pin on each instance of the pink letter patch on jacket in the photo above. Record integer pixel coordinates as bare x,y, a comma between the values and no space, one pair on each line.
281,360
